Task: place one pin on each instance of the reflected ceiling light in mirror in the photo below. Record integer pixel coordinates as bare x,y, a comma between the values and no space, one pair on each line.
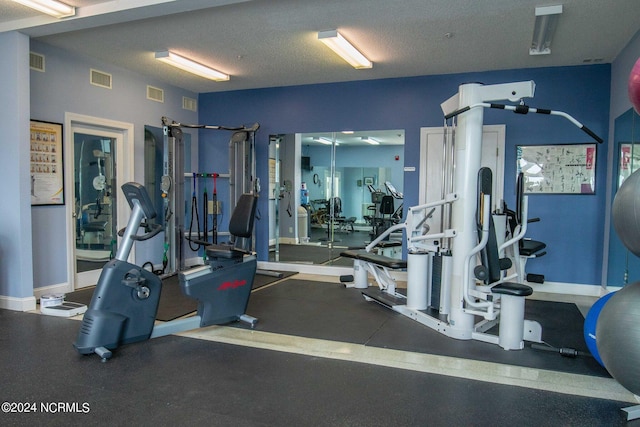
334,40
191,66
323,140
370,140
50,7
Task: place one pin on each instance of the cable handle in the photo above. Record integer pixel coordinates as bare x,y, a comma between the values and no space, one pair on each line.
524,109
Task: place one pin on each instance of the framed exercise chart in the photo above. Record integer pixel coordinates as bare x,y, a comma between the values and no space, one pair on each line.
47,178
558,169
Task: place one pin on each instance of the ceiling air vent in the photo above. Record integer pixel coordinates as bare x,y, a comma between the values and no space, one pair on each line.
155,94
189,104
99,78
36,61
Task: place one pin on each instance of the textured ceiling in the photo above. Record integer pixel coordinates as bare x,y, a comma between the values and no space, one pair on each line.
274,42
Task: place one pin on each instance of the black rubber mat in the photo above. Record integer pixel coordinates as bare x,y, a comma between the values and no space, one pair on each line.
330,311
173,303
264,279
181,381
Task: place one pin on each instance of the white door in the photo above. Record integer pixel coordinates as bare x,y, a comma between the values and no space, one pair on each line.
431,165
97,153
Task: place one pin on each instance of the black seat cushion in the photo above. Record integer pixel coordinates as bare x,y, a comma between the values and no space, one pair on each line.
530,247
511,288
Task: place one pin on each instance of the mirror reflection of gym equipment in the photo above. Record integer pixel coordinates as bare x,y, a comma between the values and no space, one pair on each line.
94,201
621,263
325,192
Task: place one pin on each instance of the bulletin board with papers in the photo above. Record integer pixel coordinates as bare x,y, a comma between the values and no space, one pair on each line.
558,169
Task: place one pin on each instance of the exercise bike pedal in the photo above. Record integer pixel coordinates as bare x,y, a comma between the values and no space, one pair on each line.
104,353
252,321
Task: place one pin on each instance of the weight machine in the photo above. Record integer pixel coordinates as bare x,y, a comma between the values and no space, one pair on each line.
447,289
241,177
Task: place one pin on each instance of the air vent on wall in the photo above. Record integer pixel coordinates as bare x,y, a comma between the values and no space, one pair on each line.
36,61
99,78
155,94
189,104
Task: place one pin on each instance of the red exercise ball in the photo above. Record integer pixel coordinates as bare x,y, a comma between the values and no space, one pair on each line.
634,86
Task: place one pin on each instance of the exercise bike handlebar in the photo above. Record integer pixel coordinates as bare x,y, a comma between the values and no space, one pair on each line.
155,229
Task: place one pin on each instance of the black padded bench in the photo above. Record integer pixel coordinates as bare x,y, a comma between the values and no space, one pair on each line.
381,260
378,265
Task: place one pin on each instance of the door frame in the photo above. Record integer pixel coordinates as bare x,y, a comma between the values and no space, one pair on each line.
124,173
499,130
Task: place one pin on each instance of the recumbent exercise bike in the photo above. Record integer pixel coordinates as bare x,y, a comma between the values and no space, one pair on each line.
125,302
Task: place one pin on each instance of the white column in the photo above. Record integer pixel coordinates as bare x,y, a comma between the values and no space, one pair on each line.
16,264
468,152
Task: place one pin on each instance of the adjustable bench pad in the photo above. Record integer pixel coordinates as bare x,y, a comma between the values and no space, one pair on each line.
530,247
513,289
381,260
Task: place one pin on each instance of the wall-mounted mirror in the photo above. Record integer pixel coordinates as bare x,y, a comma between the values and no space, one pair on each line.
332,190
623,266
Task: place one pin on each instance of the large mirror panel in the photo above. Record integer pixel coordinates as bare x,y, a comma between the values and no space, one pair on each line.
623,266
333,190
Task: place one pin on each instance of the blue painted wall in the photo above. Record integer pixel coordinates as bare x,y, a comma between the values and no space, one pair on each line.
64,87
572,226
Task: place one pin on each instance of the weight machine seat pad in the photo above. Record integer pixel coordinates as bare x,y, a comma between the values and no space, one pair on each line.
513,289
344,219
94,226
381,260
530,247
388,244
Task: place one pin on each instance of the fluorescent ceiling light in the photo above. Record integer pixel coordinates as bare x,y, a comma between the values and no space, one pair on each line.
323,140
370,140
545,26
342,47
191,66
50,7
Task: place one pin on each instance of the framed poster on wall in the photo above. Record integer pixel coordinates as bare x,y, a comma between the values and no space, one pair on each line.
47,175
558,169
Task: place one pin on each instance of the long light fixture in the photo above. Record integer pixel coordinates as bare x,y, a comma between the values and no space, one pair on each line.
334,40
545,26
370,140
50,7
323,140
191,66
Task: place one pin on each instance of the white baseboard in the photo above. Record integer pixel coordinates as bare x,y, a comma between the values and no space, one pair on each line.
18,304
60,288
571,289
321,270
289,240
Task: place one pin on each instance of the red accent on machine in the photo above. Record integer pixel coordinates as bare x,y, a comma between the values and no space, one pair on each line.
232,285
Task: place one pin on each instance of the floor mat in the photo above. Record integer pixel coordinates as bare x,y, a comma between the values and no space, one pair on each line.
330,311
173,303
271,276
